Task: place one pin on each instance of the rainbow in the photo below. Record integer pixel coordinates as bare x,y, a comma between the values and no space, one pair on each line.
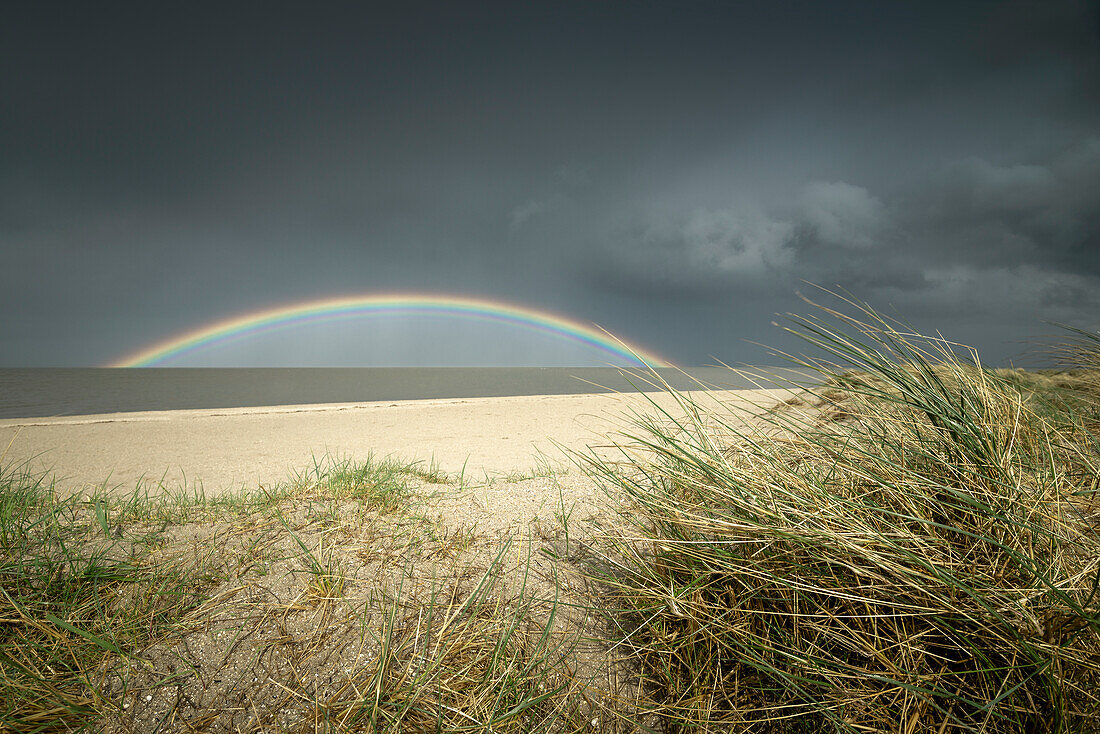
407,304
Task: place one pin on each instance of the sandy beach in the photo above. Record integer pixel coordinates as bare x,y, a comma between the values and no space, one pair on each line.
221,450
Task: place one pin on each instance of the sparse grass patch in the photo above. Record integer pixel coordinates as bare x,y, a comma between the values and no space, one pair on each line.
72,594
326,576
379,484
543,468
455,657
239,612
85,580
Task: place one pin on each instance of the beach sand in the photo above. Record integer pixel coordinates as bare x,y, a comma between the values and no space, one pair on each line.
228,449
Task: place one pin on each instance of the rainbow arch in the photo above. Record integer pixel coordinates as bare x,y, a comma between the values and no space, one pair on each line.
389,304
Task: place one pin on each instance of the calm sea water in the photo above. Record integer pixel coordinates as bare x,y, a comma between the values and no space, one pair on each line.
26,393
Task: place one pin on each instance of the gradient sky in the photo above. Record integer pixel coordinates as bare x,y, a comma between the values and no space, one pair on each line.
675,172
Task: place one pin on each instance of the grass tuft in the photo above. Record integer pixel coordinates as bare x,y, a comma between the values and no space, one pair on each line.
458,657
383,485
73,594
909,547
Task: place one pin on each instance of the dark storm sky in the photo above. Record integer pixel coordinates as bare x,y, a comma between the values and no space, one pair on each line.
674,172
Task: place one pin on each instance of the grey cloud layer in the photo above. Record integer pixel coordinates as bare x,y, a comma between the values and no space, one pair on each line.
671,170
972,234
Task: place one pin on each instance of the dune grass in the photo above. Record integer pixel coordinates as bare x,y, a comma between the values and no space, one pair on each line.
910,546
83,579
454,659
71,593
94,591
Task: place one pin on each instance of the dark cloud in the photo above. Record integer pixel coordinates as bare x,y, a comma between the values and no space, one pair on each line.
1019,32
837,214
639,168
973,236
1043,213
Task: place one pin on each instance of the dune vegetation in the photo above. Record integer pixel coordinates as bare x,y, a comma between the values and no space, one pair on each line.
910,546
906,544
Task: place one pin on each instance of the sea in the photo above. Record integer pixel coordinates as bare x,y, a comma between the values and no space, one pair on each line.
51,392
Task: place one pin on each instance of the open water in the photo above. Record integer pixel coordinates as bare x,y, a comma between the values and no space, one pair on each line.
26,393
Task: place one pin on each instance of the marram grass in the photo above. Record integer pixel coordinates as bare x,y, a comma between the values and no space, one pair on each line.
72,594
94,597
909,547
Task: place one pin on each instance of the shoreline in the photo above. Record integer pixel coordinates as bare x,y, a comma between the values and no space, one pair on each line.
77,392
133,416
222,450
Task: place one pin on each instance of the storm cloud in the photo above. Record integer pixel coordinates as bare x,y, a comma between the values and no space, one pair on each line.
1021,237
676,173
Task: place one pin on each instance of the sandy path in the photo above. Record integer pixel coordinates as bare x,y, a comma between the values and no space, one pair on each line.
225,449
